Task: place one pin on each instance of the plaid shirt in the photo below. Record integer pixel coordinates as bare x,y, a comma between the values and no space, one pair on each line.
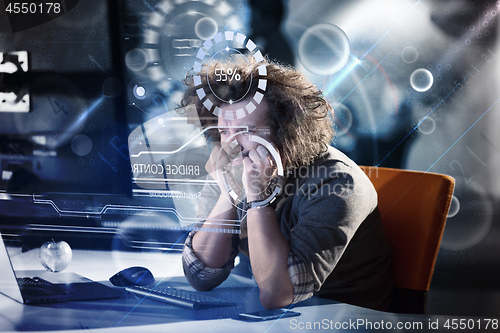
303,284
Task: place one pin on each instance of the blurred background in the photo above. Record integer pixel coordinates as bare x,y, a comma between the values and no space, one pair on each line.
414,85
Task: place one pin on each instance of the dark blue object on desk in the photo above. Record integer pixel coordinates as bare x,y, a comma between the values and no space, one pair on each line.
132,276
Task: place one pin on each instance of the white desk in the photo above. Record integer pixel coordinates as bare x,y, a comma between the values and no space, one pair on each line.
135,314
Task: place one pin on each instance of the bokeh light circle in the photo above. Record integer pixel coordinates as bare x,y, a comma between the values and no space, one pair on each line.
81,145
421,79
342,119
409,54
150,235
136,60
205,28
472,221
427,125
324,49
454,207
151,249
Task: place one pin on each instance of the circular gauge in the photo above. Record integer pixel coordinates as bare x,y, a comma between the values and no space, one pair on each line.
225,77
173,31
229,74
232,175
139,92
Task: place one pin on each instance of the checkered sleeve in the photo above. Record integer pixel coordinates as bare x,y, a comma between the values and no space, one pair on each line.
303,284
195,265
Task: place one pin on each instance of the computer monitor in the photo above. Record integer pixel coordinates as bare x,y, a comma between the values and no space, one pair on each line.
63,126
74,87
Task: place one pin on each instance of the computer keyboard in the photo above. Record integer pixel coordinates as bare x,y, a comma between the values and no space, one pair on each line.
36,287
179,297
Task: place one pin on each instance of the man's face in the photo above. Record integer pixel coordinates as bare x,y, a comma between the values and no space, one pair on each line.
256,123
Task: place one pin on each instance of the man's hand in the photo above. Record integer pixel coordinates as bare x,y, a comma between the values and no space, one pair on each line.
259,168
219,161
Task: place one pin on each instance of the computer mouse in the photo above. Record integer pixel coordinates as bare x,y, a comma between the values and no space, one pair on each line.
132,276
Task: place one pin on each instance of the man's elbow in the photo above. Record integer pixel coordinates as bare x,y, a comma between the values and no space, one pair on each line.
274,300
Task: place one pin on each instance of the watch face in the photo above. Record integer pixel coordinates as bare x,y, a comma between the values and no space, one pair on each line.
232,174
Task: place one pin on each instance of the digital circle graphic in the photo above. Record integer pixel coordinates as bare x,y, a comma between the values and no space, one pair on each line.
409,54
421,80
205,28
81,145
324,49
140,91
136,60
202,57
226,76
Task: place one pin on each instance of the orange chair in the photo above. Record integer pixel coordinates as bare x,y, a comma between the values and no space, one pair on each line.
414,207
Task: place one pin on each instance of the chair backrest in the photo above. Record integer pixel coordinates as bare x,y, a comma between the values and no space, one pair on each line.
414,207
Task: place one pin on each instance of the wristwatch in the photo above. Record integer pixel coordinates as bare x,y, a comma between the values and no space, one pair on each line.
265,202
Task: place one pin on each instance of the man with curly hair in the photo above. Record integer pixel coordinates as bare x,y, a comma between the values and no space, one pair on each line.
323,234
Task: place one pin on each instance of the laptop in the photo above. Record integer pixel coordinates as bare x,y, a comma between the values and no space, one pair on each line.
41,286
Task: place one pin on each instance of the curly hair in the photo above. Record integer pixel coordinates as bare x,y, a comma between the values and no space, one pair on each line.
297,111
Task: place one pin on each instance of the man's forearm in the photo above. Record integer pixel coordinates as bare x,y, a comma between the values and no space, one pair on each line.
268,255
214,247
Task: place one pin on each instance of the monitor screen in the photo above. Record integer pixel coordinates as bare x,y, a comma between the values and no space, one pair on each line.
63,127
80,90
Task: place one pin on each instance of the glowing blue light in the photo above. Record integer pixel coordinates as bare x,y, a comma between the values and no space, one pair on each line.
342,75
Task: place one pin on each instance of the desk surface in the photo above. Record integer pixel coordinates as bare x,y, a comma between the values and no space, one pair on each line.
133,313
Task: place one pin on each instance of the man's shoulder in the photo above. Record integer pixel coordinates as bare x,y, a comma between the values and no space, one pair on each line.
335,157
336,176
332,164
